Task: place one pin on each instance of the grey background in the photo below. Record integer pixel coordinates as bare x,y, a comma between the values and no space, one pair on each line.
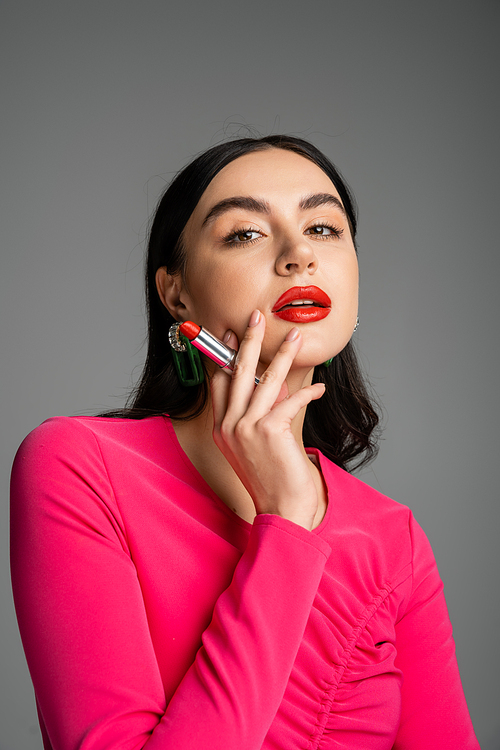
103,101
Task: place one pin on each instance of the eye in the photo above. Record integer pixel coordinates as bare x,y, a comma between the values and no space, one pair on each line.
324,230
242,236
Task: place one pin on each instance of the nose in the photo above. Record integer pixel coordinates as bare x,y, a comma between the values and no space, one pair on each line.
296,256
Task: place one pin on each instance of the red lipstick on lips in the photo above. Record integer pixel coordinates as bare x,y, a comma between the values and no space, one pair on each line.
318,305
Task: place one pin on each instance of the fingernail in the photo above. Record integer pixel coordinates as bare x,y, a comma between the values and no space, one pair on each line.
292,334
227,336
254,319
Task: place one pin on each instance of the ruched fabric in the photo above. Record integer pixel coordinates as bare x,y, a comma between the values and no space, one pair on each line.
154,617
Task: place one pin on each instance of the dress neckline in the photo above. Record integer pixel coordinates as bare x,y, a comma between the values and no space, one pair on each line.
313,453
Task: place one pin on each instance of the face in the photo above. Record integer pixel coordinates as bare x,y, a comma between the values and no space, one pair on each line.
270,224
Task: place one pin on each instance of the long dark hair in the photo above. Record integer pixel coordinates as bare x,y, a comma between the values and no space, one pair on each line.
342,424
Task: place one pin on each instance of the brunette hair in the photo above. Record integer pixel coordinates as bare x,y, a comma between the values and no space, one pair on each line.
342,424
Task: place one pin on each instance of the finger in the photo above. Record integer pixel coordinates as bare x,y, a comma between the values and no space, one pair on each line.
271,382
231,340
223,388
220,384
284,391
243,379
289,407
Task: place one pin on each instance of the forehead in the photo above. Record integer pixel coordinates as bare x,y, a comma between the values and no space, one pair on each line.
274,174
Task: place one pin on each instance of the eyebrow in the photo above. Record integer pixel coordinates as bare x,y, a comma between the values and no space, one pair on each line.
321,199
239,201
259,206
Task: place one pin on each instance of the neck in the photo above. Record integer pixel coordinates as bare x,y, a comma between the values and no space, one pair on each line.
195,438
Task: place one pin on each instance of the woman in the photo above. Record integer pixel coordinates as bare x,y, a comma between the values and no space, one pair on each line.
203,580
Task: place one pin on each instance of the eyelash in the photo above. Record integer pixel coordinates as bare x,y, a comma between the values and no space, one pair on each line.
230,240
336,232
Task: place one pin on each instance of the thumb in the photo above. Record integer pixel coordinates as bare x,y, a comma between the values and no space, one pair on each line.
231,339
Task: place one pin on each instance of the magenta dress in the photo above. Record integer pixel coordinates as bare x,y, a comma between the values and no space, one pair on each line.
154,617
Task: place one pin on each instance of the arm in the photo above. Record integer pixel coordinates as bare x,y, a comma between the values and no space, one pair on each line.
84,624
434,711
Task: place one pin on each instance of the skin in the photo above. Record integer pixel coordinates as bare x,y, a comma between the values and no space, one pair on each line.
248,443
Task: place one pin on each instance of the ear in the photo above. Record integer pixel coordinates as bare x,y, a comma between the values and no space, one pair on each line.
169,290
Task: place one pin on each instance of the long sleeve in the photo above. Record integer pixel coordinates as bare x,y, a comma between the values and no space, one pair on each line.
434,712
85,628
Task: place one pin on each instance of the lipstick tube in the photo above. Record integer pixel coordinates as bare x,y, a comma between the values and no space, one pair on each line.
208,344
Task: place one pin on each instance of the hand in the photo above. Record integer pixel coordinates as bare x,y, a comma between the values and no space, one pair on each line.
253,428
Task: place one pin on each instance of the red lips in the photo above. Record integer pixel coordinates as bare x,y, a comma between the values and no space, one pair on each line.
284,309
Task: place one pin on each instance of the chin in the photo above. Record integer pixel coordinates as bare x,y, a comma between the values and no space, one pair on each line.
321,354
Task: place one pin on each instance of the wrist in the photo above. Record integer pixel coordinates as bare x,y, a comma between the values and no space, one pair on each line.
300,517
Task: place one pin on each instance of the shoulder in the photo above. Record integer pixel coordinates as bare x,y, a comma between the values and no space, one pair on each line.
374,531
52,442
64,449
56,454
53,432
354,501
68,435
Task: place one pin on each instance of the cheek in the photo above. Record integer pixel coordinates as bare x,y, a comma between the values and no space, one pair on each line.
230,281
352,273
221,296
344,276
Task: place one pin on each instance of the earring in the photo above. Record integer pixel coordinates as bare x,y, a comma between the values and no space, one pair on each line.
329,361
187,361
